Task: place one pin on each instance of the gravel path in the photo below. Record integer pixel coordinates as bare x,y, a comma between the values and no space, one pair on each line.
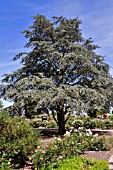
99,155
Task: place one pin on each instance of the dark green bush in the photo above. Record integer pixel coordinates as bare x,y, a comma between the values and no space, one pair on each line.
17,140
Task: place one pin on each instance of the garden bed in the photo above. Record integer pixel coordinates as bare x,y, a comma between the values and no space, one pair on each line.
96,155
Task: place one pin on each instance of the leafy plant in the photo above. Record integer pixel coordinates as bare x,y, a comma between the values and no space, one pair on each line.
17,140
5,164
51,124
77,123
37,124
79,163
92,123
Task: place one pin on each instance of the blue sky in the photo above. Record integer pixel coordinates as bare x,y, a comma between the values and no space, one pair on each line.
16,16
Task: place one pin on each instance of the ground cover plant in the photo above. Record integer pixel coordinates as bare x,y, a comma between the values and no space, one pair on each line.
78,163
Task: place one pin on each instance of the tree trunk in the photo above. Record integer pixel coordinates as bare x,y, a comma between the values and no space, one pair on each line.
61,120
27,112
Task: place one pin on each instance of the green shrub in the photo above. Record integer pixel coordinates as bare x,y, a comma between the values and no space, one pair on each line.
97,144
77,123
51,124
78,163
111,117
108,124
69,122
92,123
61,148
17,140
38,123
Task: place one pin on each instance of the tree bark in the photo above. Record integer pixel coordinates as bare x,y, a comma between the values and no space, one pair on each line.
61,120
27,112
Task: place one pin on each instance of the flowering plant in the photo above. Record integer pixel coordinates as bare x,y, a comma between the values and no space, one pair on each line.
17,141
70,145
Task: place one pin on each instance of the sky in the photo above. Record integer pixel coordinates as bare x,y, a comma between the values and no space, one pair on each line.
16,16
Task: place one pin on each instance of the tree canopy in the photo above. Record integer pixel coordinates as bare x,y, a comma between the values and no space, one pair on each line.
61,71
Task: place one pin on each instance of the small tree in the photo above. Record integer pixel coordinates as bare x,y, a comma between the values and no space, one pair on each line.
61,72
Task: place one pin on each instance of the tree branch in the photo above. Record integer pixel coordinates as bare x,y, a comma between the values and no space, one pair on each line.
67,118
54,116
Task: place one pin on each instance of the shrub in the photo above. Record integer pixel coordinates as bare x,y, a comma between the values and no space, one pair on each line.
77,123
92,123
111,117
38,123
17,140
51,124
69,122
79,163
108,124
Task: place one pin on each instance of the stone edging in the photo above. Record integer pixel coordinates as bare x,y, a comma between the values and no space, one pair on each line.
110,162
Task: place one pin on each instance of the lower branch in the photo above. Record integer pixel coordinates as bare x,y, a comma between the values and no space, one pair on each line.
54,116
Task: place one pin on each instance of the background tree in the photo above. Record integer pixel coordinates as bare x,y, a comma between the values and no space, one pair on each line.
1,89
61,72
1,104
